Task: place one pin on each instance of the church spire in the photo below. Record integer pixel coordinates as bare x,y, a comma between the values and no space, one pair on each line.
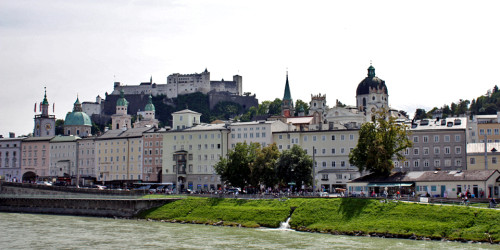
287,95
287,102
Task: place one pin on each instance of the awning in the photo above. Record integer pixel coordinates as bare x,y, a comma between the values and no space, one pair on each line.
390,184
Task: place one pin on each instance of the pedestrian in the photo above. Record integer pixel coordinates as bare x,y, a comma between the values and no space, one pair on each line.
493,203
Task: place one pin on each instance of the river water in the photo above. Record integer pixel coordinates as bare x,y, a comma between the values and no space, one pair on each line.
38,231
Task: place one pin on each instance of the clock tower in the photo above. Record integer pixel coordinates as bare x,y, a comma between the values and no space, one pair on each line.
45,124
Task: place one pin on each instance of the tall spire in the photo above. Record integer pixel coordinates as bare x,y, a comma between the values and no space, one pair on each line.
45,102
287,95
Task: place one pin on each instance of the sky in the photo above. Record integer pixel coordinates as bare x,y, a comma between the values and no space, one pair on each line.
429,53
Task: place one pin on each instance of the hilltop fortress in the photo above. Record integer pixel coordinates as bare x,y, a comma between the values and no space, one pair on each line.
180,84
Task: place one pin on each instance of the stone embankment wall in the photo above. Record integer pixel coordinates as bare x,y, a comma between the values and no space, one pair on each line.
11,188
32,198
88,207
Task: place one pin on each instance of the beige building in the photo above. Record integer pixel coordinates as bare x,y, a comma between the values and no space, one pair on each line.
330,150
63,158
87,161
35,158
478,160
259,131
120,156
484,126
191,151
153,151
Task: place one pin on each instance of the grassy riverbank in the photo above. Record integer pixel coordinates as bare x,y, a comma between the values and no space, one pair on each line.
340,216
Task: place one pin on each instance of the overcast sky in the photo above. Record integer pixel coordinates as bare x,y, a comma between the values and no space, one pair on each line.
429,53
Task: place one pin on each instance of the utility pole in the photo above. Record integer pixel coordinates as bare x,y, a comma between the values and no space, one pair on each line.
314,170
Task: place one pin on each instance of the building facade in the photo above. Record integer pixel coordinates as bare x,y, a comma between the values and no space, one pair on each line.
63,158
120,156
10,159
254,132
153,151
330,151
86,161
35,158
480,159
438,144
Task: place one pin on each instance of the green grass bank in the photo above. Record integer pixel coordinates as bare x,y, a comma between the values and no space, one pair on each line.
340,216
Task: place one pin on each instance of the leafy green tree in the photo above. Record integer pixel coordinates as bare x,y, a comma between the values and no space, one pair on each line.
420,114
264,168
59,130
235,170
379,141
299,104
275,107
294,165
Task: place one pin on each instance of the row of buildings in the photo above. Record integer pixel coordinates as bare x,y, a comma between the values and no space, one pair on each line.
184,155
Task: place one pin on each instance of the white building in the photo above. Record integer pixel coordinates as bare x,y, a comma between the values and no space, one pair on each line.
254,132
63,158
10,159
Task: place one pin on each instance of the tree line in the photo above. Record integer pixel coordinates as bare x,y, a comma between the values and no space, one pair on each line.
253,166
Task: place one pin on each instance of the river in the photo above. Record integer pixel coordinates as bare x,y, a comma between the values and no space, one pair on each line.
38,231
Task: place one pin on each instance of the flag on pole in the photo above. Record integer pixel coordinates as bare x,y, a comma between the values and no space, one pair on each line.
40,107
53,107
35,108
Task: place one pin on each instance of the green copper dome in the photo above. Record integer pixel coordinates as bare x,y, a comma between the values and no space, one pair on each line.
78,119
122,101
150,106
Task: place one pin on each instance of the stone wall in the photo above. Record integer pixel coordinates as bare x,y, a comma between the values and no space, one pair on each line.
87,207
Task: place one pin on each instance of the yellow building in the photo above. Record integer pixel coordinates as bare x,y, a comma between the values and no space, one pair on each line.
119,156
476,159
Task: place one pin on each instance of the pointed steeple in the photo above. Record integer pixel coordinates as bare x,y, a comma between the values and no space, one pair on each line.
150,106
151,80
45,102
77,107
287,95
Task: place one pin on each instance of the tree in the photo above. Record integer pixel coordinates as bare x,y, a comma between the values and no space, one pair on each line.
299,104
294,165
59,130
235,170
263,171
275,107
379,141
420,114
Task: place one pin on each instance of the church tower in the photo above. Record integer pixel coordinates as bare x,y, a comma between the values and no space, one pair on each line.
287,109
149,116
372,94
121,120
45,124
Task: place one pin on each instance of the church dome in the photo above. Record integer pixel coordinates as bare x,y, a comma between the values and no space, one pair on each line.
122,101
78,119
150,106
371,82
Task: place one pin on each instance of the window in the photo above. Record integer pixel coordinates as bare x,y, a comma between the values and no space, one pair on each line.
458,163
342,137
488,131
436,138
437,163
415,164
458,150
351,137
481,131
314,138
415,151
333,163
446,138
324,164
323,137
426,163
324,177
436,150
497,131
333,137
457,138
406,164
447,150
493,160
342,163
333,151
433,188
447,162
305,138
323,151
425,139
426,151
342,150
415,139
